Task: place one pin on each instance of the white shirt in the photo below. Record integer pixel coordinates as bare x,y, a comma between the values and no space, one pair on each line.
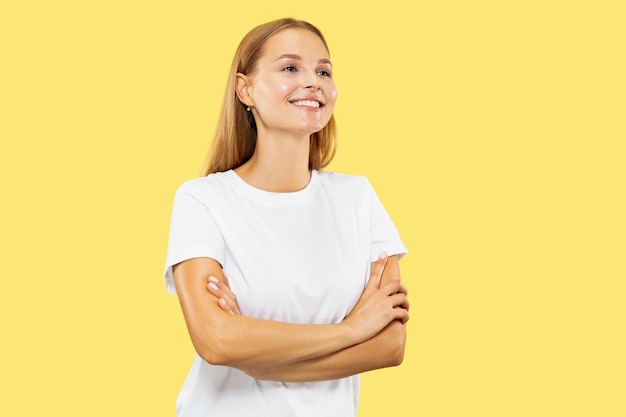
301,257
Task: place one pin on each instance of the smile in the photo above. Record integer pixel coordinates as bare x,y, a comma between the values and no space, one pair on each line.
307,103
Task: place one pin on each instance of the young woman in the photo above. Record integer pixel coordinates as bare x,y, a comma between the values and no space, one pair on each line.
287,275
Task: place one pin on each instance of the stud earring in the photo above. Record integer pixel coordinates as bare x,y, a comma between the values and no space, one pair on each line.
248,108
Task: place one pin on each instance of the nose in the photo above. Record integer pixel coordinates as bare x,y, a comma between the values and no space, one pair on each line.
313,85
311,81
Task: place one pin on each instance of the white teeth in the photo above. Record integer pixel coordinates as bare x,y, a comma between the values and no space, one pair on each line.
307,103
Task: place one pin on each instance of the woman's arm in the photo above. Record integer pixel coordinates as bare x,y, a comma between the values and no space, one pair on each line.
383,350
248,343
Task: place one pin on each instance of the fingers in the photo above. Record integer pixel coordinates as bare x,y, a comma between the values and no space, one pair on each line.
395,286
377,271
381,307
402,315
397,293
226,298
396,307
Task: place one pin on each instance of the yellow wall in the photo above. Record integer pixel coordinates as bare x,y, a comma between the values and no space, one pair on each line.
493,132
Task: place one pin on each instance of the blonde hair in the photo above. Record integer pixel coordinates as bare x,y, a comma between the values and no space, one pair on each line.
235,137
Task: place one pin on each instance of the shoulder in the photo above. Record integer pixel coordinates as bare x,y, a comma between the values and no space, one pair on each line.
201,187
345,189
209,192
343,182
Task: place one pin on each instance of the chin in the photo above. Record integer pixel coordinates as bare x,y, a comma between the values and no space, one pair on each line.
315,128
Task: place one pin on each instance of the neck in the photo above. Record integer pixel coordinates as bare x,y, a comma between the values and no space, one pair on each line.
279,164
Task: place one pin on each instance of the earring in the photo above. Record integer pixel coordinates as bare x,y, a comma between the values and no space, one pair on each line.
248,108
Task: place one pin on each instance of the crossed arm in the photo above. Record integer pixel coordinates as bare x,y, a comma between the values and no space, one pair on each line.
372,336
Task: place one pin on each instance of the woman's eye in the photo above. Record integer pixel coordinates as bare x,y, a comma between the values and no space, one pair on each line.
324,73
290,68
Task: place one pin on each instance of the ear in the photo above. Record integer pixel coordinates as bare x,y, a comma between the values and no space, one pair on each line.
242,88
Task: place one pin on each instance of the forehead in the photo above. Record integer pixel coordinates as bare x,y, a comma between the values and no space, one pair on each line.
300,42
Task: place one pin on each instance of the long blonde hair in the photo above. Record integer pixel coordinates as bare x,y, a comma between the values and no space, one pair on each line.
235,137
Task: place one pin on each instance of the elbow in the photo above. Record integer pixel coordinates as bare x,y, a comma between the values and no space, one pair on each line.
211,356
208,351
212,347
398,357
397,343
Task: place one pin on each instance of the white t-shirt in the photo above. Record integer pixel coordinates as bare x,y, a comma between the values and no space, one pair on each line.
301,257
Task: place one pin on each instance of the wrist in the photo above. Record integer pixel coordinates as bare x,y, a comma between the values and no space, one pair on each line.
350,333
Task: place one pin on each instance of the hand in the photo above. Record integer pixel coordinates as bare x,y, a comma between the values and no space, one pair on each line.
226,299
378,306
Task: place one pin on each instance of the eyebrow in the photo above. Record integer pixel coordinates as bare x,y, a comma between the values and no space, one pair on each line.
299,58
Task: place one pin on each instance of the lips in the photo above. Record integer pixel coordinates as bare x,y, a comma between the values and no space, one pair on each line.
308,103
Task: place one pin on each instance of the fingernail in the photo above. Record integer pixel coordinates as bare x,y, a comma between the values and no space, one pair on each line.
212,286
382,255
213,279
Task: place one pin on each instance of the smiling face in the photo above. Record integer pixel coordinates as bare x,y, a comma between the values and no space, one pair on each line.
291,90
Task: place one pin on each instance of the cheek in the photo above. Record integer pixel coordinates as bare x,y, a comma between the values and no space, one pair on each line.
284,87
331,93
330,89
276,90
272,88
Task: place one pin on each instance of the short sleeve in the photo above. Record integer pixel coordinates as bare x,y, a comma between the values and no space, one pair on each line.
385,236
193,234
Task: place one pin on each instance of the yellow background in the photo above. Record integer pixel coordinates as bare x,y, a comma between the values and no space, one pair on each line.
493,132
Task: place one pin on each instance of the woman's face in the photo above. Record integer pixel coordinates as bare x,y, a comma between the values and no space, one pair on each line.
291,90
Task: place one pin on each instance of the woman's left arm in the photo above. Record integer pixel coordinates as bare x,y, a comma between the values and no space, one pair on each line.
384,350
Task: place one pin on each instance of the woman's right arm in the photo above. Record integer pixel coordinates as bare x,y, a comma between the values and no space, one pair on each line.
243,342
